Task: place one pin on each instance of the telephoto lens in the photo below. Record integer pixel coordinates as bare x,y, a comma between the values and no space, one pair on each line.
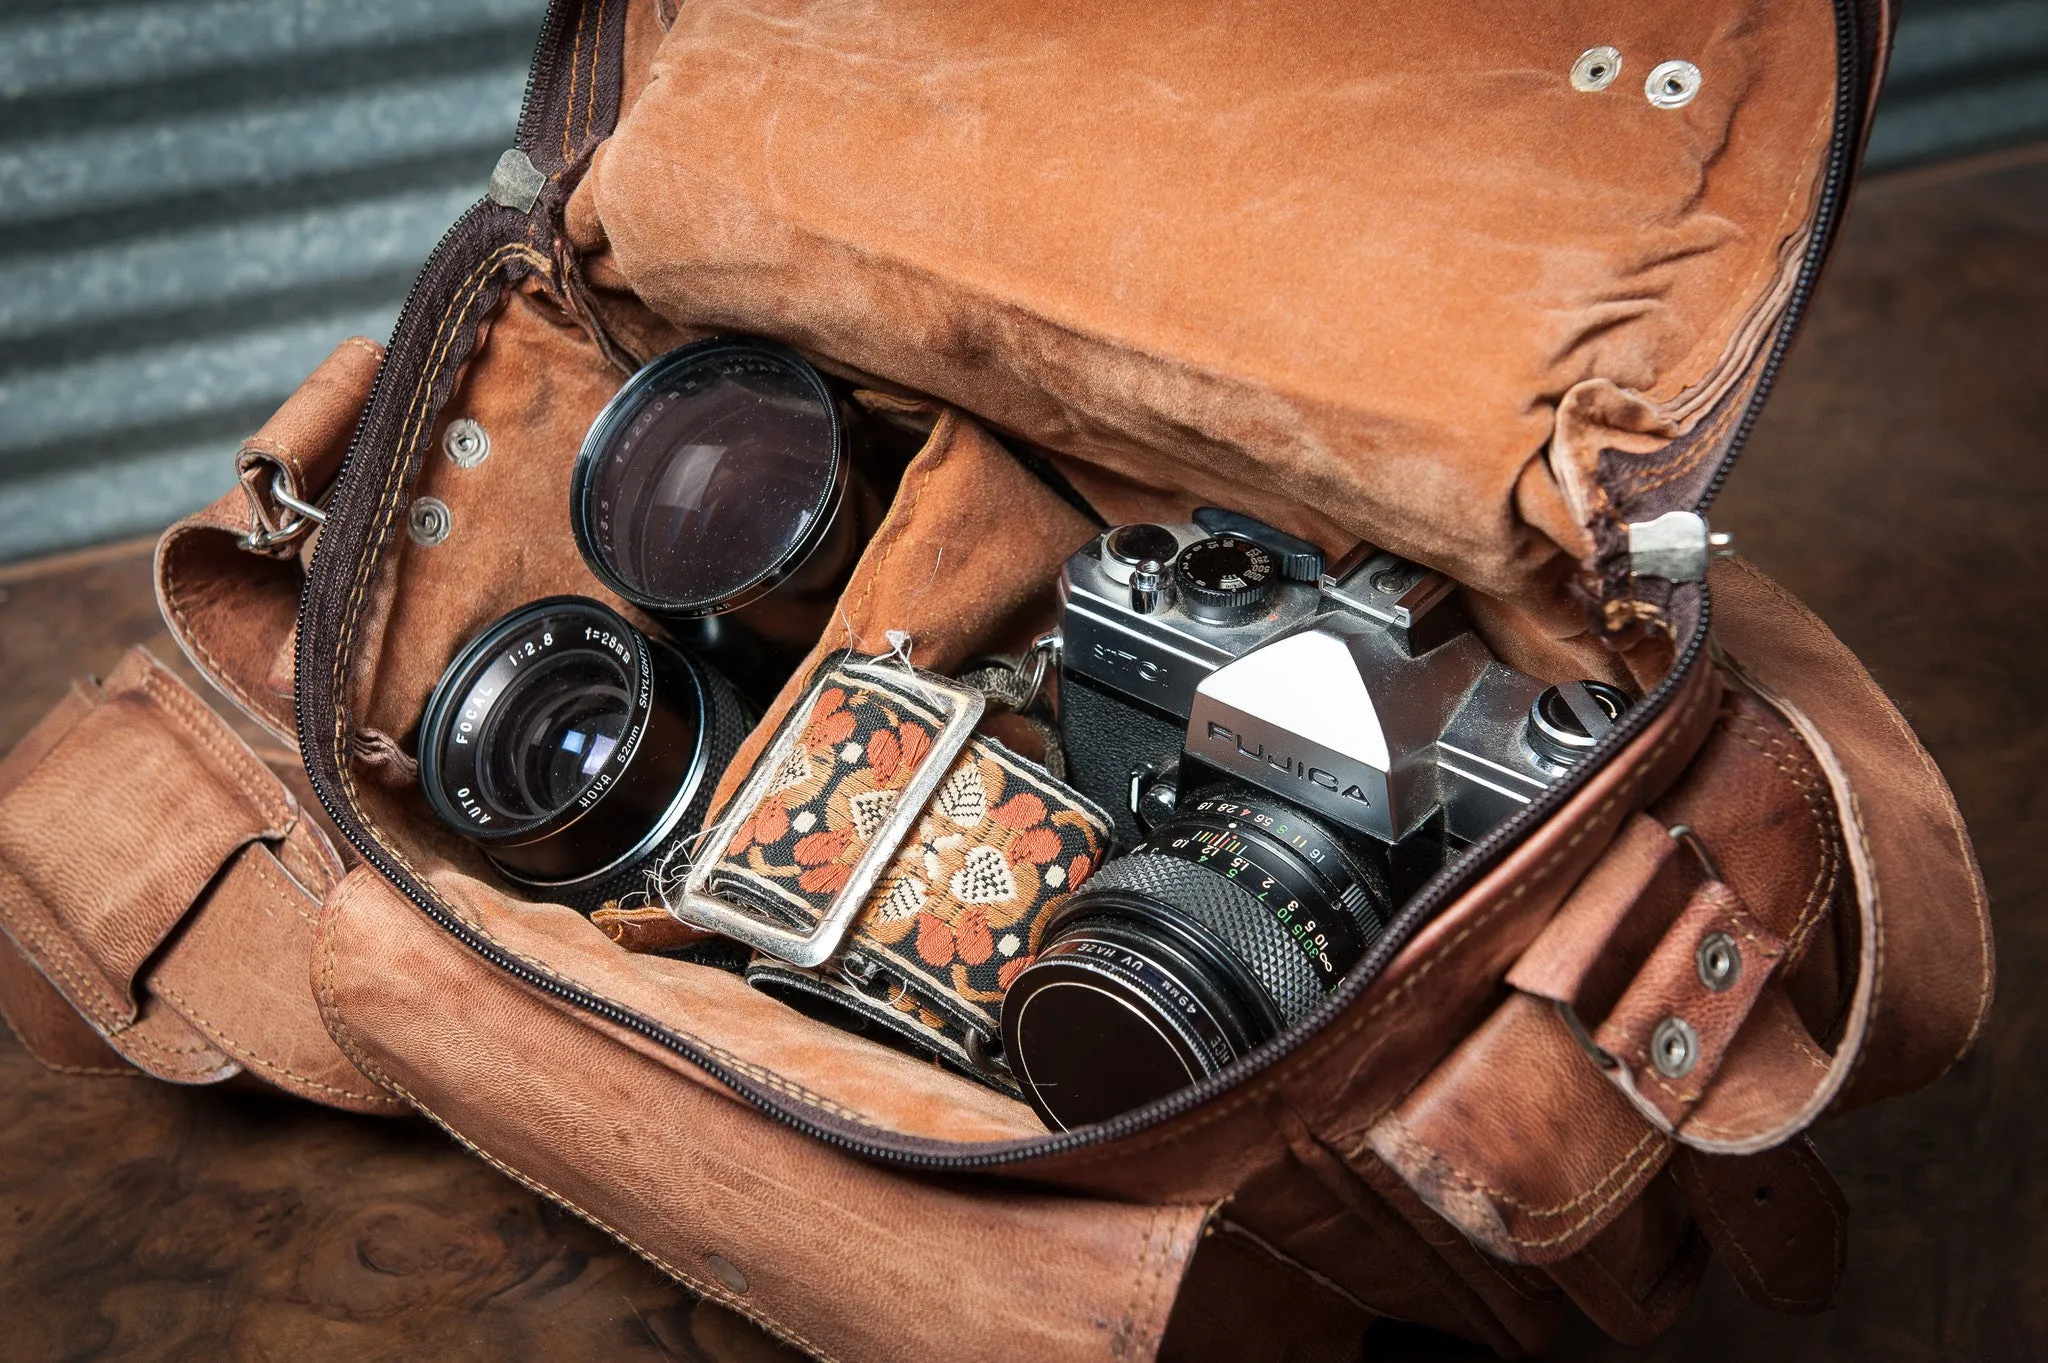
1228,924
718,473
574,750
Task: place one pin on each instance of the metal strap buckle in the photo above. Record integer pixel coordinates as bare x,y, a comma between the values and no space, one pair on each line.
697,906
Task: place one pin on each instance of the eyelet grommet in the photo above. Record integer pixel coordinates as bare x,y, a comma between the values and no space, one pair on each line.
1672,85
1719,961
1596,69
466,442
1674,1048
428,521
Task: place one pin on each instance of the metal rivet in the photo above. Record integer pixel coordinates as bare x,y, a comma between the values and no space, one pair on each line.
1674,1048
727,1272
1393,581
1719,961
466,443
429,521
1672,84
1596,69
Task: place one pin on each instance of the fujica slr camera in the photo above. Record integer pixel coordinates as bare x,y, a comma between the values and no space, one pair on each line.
1288,752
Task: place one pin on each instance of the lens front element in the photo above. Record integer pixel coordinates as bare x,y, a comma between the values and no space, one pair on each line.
710,477
572,748
552,733
1230,923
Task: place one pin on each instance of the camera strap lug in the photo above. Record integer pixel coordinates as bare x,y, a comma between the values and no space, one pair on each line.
1677,546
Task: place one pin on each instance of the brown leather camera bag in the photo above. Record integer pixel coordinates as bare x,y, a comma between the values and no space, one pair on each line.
1425,276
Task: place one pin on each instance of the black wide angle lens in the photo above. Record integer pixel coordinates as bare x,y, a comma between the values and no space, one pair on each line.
711,477
573,749
1226,926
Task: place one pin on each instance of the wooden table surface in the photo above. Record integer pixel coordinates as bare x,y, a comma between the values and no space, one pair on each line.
1898,482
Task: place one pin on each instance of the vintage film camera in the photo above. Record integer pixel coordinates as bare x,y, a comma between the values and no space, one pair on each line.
1289,752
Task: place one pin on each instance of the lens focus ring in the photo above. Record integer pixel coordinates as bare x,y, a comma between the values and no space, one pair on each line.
1244,926
726,725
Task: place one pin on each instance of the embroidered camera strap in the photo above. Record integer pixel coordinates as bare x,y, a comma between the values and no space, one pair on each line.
957,913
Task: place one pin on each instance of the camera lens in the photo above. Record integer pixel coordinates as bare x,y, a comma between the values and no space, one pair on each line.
1224,927
573,749
713,476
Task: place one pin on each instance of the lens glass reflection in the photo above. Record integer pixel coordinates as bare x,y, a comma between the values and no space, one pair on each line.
714,479
549,736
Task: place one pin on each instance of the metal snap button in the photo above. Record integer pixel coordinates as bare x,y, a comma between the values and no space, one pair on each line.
428,521
1672,84
1719,961
1596,69
727,1272
1674,1048
466,443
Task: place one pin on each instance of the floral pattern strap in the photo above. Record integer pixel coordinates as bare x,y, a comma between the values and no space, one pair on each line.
958,913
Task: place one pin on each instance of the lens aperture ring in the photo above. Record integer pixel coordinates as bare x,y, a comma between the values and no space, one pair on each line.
1297,901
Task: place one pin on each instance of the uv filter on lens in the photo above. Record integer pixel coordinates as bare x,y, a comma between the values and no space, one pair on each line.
711,477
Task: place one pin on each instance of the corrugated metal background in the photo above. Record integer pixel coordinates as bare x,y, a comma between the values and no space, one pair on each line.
198,198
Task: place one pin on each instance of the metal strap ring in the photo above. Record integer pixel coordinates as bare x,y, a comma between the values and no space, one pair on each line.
291,503
261,537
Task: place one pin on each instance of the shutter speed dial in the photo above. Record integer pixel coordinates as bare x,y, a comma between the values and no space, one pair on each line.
1225,579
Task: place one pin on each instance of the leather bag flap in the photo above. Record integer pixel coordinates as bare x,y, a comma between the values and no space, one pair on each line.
1352,270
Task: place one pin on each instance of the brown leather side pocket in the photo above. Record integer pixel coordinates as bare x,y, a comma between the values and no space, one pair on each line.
119,829
1655,999
1712,986
162,881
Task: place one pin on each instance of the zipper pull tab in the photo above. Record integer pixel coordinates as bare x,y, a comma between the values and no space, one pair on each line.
1677,546
516,182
